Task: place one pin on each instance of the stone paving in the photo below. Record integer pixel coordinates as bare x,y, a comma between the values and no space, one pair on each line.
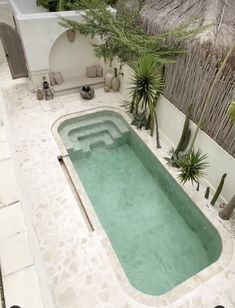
73,260
16,261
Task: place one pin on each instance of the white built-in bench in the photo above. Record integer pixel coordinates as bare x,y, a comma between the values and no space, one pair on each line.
75,84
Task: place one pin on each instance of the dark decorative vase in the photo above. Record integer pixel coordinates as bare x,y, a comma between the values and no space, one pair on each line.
87,92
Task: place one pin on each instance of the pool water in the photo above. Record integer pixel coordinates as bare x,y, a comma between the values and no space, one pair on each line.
159,235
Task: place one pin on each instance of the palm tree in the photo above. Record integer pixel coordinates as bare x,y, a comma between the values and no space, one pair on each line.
147,85
231,111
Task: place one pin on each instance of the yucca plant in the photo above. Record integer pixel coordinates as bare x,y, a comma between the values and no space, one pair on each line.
147,85
231,111
191,166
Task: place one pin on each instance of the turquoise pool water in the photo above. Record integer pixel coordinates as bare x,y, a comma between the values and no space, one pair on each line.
160,237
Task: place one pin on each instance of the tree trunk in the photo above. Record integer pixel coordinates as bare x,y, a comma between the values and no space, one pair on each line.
227,211
157,133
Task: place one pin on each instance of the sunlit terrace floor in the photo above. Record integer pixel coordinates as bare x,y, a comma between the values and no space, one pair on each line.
76,267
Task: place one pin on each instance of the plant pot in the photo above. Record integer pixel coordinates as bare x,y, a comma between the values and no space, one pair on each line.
116,82
71,34
87,94
106,89
108,80
39,94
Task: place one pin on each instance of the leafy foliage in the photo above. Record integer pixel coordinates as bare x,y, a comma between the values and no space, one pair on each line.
56,5
191,166
122,35
232,111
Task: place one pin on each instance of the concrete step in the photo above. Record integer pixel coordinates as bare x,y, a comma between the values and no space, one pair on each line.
93,138
74,85
79,133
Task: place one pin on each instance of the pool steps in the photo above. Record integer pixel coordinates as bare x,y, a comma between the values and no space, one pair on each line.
82,136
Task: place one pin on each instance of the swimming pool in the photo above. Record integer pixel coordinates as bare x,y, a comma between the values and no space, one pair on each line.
159,235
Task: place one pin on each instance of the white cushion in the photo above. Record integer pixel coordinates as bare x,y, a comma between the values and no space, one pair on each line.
91,71
59,78
99,71
52,78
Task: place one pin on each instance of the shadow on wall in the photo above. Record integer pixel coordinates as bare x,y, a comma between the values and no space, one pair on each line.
2,54
72,58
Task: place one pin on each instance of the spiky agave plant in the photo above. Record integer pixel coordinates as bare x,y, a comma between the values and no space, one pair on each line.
139,120
191,166
231,111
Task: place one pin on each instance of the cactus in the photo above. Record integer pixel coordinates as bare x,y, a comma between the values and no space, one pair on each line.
219,189
186,133
186,141
227,211
207,193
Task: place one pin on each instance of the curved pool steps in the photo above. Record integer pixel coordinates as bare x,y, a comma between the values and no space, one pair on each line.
82,132
86,122
94,132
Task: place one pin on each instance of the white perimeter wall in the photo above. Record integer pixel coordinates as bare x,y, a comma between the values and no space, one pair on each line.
171,122
27,6
5,17
72,58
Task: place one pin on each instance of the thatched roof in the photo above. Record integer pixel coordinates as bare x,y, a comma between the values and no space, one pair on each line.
163,15
189,79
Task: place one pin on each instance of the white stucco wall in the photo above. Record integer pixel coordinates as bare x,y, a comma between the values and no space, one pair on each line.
38,37
38,34
5,17
171,122
125,79
72,58
26,6
39,31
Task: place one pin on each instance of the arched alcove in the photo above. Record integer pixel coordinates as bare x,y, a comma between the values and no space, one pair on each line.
72,58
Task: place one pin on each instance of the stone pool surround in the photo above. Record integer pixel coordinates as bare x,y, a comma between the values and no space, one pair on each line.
73,260
182,288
